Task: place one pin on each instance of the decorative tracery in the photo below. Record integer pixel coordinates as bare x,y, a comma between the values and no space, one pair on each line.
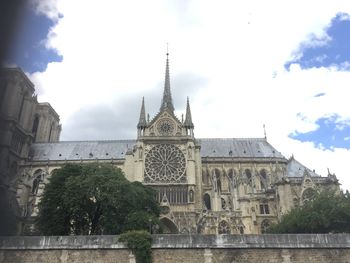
165,163
224,228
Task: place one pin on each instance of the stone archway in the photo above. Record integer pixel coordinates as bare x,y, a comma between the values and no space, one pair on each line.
168,226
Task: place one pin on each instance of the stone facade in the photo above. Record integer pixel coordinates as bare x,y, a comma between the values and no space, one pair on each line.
22,121
181,249
204,185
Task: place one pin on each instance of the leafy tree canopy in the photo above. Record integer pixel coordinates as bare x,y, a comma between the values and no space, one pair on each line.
327,212
93,199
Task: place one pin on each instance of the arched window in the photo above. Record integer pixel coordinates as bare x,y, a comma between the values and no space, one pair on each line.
37,179
265,225
217,180
224,228
308,195
263,174
231,174
191,196
205,178
248,173
263,179
207,201
35,126
223,204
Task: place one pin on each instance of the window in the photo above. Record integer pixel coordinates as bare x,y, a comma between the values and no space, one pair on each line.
264,226
248,173
35,126
308,195
223,204
207,202
264,209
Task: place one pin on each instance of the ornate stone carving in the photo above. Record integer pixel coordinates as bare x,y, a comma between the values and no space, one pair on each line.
166,127
165,163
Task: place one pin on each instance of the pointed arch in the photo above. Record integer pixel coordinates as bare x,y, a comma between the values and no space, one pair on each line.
207,201
168,226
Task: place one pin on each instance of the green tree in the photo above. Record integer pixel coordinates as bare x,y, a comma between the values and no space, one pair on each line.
92,199
327,212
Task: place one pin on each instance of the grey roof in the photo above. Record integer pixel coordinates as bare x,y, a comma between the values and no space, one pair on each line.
238,147
85,150
89,150
296,169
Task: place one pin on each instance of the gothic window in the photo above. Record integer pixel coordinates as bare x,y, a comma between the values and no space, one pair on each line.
263,179
217,180
308,195
265,225
166,127
36,181
165,163
173,194
223,204
191,196
224,228
205,178
207,202
264,209
248,174
231,174
35,126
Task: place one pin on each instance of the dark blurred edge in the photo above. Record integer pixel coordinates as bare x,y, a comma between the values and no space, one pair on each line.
11,13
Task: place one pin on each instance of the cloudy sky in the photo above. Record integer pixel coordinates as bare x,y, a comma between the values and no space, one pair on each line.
243,64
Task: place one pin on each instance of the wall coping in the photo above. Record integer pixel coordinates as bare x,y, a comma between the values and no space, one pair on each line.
300,241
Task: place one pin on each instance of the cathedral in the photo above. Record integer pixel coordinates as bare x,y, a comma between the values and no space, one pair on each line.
203,185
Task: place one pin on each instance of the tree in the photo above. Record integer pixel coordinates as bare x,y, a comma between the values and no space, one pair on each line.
326,212
92,199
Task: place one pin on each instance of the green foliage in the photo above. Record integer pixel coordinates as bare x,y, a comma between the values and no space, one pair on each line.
140,243
92,199
328,212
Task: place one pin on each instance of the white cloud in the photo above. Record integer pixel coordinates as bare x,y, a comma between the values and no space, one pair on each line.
115,50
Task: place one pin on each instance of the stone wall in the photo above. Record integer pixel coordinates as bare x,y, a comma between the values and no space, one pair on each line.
333,248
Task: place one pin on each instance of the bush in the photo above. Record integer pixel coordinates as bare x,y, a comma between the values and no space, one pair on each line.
140,243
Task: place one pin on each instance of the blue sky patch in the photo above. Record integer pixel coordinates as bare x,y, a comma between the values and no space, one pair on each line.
331,133
28,49
332,51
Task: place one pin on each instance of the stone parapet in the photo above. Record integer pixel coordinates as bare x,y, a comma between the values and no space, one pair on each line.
302,241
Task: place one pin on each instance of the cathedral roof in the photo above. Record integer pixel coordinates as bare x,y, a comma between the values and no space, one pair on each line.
105,150
80,150
238,147
296,169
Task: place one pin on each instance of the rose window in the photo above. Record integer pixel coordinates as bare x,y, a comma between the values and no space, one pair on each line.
165,163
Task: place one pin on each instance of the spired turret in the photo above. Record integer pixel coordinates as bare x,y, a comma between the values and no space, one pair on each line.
142,124
167,101
188,124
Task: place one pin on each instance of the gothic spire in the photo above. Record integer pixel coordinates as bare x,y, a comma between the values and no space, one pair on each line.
188,120
142,121
167,101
